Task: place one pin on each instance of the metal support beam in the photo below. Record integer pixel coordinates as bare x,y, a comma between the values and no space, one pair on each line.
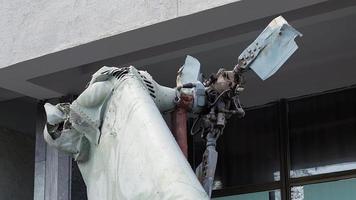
284,149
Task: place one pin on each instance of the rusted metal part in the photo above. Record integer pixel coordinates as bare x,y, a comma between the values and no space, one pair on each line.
179,122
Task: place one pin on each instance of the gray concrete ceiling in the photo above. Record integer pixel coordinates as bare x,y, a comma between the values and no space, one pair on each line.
324,60
7,94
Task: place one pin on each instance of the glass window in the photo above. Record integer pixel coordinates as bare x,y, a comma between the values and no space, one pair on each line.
248,149
340,190
323,133
268,195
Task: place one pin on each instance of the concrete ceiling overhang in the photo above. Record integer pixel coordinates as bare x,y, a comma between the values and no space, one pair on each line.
222,32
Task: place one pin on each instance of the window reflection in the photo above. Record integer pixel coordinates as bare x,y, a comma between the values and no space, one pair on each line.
337,190
268,195
323,169
323,133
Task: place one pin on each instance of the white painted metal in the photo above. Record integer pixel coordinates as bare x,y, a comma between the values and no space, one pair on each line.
122,144
137,157
271,49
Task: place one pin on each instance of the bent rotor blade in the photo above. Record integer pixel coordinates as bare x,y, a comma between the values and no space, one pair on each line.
271,49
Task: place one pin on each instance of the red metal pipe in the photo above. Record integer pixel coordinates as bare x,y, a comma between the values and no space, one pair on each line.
179,122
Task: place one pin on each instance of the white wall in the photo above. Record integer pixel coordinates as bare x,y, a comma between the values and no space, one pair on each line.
29,29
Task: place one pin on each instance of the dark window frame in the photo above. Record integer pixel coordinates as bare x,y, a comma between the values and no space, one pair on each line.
286,182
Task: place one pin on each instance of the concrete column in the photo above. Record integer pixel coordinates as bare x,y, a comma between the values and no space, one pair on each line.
52,168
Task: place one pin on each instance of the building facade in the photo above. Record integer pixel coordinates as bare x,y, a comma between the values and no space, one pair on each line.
297,140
